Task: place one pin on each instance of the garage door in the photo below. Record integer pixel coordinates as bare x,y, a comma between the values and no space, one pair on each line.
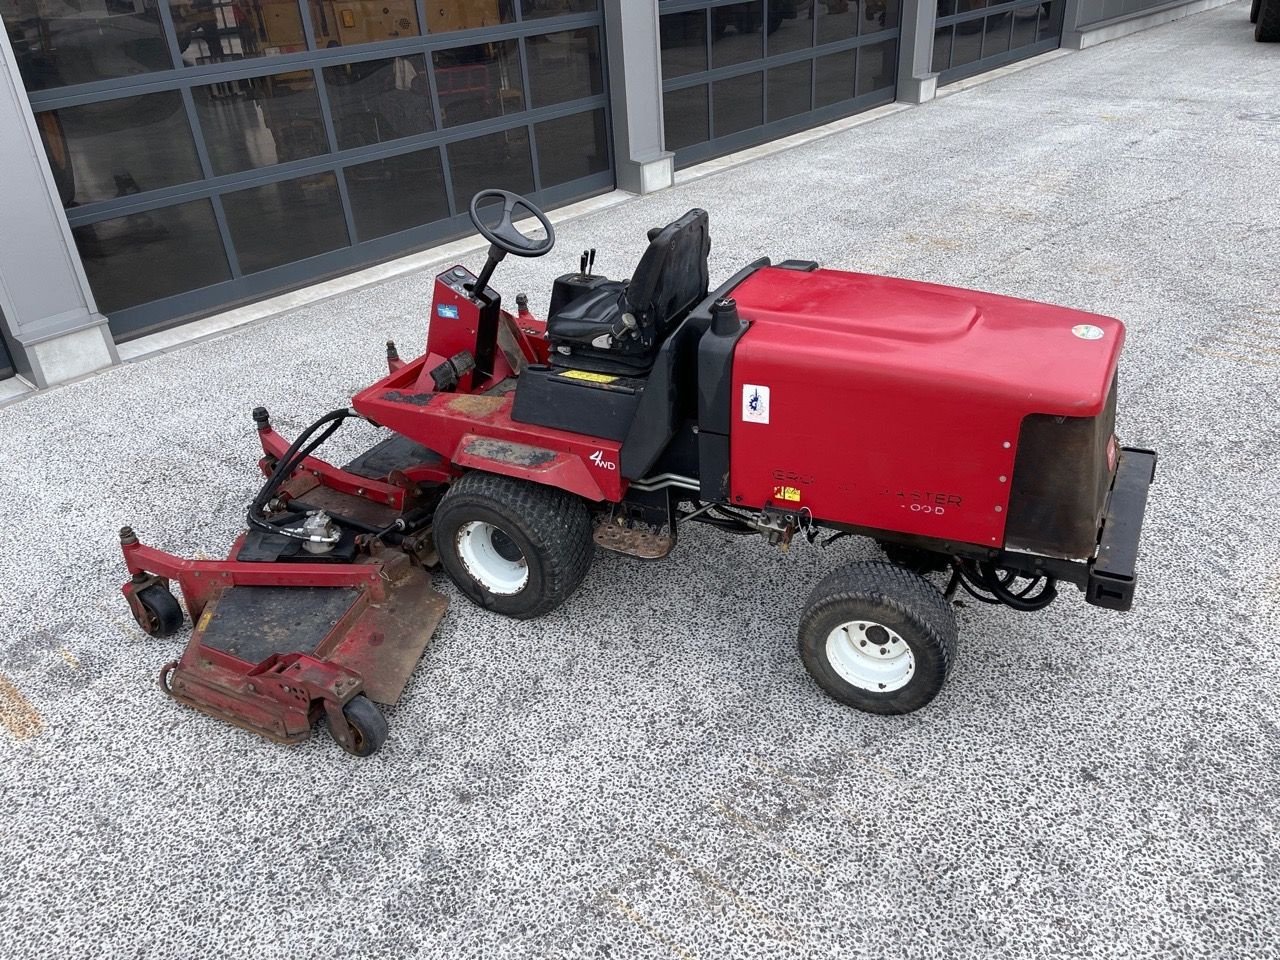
214,151
972,36
737,74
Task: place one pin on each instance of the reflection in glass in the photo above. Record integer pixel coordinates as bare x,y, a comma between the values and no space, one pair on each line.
1024,26
61,42
790,26
498,160
877,66
397,193
533,9
373,101
684,43
966,47
834,78
737,33
148,256
572,147
996,34
446,15
942,48
739,103
1050,19
685,117
564,66
478,82
837,19
260,121
114,148
210,31
279,223
343,23
789,89
881,15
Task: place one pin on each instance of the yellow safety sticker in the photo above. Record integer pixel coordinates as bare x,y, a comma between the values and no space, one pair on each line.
204,619
589,377
790,494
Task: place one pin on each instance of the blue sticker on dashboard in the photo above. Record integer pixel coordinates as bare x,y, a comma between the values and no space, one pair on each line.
448,311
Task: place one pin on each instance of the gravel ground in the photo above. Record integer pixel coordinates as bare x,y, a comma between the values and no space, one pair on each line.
649,772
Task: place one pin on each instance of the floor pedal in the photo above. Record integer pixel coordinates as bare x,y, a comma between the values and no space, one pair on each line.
635,540
395,453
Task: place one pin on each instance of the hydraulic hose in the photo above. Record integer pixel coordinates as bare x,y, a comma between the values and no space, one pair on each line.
298,451
981,575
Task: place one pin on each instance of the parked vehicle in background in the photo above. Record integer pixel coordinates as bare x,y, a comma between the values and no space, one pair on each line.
1265,17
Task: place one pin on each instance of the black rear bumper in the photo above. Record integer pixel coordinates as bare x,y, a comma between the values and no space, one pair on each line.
1113,571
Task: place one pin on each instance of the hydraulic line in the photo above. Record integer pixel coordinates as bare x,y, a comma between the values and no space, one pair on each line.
298,451
975,576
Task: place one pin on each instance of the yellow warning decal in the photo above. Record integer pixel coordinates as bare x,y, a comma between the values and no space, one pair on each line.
790,494
589,377
204,619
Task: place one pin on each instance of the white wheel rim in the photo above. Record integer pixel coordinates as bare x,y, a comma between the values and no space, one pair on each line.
486,565
870,656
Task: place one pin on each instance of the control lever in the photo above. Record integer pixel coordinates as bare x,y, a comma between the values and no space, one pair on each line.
591,264
582,263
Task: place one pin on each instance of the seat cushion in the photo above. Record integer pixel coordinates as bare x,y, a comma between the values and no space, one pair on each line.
588,316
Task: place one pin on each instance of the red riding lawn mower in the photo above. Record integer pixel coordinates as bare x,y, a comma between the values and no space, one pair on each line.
965,432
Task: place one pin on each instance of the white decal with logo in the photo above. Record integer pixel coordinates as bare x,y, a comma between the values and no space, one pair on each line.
598,459
755,403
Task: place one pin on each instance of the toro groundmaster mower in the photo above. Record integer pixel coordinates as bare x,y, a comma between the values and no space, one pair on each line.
965,432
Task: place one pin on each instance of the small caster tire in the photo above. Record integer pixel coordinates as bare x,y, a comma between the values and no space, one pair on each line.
157,611
366,725
878,637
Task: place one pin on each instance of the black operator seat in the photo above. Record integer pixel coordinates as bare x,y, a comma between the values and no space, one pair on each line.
617,327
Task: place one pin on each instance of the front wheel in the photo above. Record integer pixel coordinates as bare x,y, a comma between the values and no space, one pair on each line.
514,547
878,637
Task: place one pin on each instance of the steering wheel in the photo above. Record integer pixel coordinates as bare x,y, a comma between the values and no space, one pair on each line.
504,235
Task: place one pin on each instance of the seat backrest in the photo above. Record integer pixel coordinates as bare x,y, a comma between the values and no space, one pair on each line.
672,276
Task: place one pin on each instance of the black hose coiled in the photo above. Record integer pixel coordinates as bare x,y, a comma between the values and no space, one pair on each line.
299,450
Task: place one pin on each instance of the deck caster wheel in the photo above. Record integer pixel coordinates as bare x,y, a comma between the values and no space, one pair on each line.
878,637
366,725
157,611
514,547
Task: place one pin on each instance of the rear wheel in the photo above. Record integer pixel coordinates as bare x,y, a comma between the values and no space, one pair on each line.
878,637
1267,27
514,547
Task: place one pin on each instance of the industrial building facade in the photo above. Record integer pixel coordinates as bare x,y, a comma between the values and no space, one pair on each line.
171,158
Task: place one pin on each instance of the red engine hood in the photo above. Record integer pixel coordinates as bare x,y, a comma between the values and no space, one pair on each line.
1027,354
